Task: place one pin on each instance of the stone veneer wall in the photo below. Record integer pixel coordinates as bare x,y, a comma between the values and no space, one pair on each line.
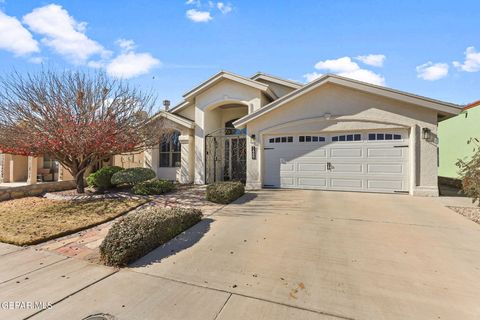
34,189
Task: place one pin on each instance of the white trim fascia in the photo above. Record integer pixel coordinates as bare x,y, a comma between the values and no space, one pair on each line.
225,75
182,105
177,119
284,82
443,107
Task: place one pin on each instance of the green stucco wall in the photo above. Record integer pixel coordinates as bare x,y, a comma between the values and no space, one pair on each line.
453,136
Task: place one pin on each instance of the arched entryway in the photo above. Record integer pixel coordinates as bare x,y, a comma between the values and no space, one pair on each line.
225,155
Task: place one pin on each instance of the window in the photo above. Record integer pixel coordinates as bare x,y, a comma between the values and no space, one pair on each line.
348,137
384,136
311,139
280,140
48,162
231,130
170,155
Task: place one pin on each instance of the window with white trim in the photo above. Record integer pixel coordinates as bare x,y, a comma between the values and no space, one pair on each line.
170,151
311,139
281,140
384,136
347,137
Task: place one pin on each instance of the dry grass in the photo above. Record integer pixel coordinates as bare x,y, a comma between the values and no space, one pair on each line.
33,220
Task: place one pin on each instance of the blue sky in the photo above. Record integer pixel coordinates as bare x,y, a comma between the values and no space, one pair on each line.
431,48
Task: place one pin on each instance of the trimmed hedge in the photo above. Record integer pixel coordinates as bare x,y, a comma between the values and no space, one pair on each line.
225,192
154,186
102,177
139,233
132,176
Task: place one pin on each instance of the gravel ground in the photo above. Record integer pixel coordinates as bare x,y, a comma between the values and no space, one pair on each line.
471,213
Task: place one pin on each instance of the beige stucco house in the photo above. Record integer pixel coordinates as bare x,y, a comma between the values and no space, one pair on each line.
333,133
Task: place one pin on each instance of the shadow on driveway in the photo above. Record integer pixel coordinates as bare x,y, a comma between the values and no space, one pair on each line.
181,242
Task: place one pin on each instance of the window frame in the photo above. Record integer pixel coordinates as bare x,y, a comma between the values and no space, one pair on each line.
174,147
374,136
356,137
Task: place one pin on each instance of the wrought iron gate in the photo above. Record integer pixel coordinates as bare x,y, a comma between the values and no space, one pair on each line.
225,155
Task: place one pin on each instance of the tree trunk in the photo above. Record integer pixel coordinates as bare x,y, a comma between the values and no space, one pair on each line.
79,182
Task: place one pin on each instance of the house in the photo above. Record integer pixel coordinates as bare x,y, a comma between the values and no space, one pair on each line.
454,134
333,133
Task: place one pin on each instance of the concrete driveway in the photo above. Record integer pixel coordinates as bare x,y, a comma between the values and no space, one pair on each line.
299,255
350,255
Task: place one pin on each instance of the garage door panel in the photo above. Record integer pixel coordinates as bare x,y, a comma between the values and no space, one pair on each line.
311,167
287,182
286,166
386,168
320,183
385,184
338,167
386,152
346,152
343,183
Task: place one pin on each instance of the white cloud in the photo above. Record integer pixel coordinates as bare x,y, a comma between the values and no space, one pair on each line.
193,2
198,16
131,64
126,44
345,67
432,71
15,38
472,61
375,60
344,64
312,76
63,33
224,8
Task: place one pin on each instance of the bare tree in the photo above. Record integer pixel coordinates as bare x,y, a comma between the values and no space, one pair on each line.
76,117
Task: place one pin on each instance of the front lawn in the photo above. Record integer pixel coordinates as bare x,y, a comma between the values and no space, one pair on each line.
33,220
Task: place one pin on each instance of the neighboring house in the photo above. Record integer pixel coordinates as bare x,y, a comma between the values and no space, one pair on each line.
454,134
30,170
333,133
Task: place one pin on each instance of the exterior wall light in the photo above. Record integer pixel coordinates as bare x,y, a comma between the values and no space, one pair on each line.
426,134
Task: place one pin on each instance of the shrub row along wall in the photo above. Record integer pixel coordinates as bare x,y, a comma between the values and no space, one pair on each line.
34,189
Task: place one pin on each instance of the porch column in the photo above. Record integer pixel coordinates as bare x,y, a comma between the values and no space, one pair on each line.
188,160
32,170
7,159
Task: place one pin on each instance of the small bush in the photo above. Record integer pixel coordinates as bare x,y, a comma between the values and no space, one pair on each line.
132,176
101,178
154,186
225,192
139,233
470,172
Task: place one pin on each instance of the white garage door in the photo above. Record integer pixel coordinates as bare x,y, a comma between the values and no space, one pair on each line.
356,161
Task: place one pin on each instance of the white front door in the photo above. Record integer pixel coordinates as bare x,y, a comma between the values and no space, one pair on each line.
373,161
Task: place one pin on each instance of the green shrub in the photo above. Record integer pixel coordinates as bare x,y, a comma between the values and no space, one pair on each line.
140,232
470,172
102,177
154,186
132,176
225,192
